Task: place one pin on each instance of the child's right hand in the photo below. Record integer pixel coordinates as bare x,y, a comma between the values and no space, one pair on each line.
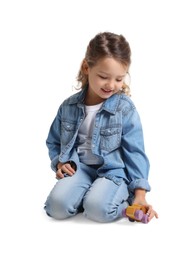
64,168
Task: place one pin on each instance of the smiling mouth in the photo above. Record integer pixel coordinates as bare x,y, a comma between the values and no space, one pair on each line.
106,91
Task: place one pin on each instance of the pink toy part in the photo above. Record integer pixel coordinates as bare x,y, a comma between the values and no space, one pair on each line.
145,219
124,213
138,214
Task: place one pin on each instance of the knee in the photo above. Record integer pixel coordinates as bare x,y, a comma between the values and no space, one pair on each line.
97,210
59,208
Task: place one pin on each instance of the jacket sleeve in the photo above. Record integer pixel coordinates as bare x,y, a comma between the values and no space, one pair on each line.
53,140
135,159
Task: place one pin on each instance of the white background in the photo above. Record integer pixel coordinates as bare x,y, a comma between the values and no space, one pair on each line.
42,44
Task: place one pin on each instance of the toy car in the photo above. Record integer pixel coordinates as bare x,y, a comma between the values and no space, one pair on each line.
136,213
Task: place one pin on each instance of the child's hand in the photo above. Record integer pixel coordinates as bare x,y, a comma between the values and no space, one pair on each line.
64,169
140,199
151,212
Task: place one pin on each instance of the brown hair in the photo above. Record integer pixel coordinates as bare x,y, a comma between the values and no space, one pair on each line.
106,45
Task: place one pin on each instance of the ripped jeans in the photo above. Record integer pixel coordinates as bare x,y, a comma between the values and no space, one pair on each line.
101,199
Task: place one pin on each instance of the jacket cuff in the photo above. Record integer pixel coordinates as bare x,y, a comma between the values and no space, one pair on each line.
54,163
139,184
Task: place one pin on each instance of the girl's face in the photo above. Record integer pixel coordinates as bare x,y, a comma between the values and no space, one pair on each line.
105,79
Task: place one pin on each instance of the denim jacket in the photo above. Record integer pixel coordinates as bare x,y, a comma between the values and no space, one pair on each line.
117,138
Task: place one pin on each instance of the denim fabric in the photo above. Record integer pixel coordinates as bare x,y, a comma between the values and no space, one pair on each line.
117,139
101,199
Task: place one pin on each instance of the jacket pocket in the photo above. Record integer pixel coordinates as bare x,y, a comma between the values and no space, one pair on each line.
67,132
110,138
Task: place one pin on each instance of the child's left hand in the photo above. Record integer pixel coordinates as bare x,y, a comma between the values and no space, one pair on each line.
150,211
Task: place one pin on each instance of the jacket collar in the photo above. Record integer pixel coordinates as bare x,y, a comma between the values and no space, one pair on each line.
78,98
110,105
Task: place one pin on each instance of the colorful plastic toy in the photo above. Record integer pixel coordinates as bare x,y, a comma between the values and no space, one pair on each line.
136,213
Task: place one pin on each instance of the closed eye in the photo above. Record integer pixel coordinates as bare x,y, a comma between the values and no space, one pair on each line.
102,77
119,80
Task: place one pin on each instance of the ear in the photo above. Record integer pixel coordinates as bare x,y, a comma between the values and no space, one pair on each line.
85,67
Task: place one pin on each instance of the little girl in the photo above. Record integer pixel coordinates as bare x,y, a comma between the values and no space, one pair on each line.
96,141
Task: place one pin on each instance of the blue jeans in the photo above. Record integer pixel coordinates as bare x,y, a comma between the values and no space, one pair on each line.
102,199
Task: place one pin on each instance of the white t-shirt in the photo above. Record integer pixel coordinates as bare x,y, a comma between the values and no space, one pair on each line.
85,136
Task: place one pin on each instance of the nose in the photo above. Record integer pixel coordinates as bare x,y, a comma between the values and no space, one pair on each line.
110,84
